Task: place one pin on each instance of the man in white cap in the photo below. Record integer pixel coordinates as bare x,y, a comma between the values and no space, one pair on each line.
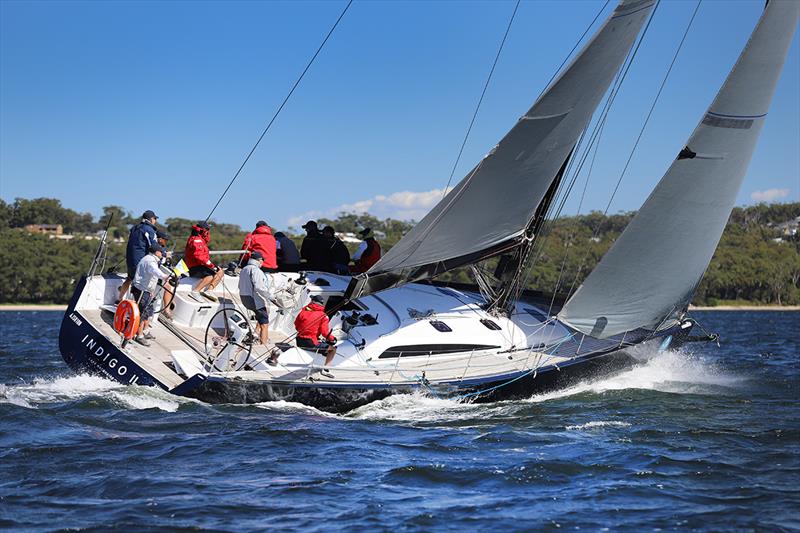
254,292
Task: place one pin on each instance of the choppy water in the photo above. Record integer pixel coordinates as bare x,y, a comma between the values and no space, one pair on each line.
705,439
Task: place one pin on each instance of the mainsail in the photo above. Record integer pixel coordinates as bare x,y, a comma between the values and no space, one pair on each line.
649,275
489,210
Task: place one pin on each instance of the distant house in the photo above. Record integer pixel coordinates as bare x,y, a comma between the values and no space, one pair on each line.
789,228
46,229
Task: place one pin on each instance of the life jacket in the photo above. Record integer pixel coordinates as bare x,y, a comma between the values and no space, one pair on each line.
261,240
370,256
312,323
196,253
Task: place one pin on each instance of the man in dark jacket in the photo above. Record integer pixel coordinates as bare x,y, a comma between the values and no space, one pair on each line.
339,254
141,238
288,256
314,249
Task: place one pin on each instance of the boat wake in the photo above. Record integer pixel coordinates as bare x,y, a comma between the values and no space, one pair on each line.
677,372
45,392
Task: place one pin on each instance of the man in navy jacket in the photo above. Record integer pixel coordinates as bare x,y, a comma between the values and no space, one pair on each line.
142,237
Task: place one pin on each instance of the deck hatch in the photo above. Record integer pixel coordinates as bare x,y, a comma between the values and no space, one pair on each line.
416,350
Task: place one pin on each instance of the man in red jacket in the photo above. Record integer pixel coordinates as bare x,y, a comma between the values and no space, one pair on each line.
311,324
198,259
261,240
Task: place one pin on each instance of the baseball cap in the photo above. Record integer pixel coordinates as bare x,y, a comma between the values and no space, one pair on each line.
256,255
147,215
310,224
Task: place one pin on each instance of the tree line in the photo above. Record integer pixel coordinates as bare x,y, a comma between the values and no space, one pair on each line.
749,265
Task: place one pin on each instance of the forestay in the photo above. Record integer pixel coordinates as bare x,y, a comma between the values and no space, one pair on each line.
488,211
650,274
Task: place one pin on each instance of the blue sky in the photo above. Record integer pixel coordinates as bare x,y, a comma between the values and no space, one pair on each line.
155,104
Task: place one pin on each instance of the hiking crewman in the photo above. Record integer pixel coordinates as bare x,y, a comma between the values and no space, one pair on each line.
198,259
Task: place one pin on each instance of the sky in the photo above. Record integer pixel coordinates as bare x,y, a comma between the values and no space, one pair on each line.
154,105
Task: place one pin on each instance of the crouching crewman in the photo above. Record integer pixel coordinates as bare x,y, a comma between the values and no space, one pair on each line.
312,324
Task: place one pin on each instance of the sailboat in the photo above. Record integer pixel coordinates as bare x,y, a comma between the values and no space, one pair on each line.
400,330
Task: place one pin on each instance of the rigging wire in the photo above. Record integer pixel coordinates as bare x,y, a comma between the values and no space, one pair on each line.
594,137
638,138
480,100
280,108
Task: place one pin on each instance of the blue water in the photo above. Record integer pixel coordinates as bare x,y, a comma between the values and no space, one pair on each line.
700,439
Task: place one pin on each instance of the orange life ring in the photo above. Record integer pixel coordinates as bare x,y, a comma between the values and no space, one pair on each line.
126,319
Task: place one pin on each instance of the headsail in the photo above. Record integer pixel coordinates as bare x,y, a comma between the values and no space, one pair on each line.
649,275
489,210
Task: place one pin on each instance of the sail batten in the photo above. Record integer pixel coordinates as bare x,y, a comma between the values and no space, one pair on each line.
488,211
649,275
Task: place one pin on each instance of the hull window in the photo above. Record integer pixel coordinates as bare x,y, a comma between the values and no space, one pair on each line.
440,326
416,350
491,324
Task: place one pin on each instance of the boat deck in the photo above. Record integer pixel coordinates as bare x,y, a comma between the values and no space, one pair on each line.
157,359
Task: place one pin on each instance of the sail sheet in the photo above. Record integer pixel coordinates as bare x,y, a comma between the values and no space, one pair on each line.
488,211
649,275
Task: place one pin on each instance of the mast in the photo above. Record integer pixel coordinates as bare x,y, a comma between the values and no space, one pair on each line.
493,210
512,267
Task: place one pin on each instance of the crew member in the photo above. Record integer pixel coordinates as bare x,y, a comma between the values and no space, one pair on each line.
314,249
261,240
254,292
339,254
368,252
312,324
142,236
288,256
198,259
168,293
145,285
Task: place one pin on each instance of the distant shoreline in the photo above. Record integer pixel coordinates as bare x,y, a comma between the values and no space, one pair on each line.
33,307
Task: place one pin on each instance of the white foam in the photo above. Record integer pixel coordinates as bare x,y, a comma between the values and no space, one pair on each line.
670,371
600,424
415,407
283,405
48,391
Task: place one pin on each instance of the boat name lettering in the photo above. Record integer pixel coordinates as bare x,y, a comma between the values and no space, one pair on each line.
104,357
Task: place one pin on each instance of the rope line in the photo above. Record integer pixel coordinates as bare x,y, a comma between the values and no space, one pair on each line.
480,100
596,230
280,108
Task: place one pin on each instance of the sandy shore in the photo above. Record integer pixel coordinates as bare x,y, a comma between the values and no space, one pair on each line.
32,307
746,308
